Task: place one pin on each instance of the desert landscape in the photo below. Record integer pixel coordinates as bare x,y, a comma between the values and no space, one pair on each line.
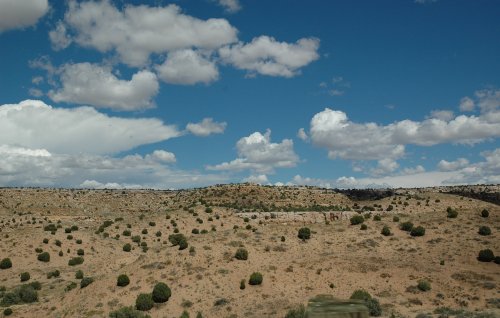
360,240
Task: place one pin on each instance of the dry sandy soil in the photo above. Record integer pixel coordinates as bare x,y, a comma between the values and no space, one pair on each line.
338,258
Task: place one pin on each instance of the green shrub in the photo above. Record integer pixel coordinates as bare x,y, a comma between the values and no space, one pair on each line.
5,263
136,238
178,239
364,227
122,280
45,241
78,241
74,228
304,233
58,243
144,231
377,218
361,294
298,312
241,254
161,293
25,276
424,285
70,286
374,306
86,281
497,260
44,257
486,255
386,231
75,261
395,219
10,299
451,213
484,230
79,274
255,279
485,213
242,284
126,233
195,231
406,226
158,234
80,252
282,239
357,219
55,273
152,223
127,247
27,294
417,231
127,312
36,285
7,312
185,314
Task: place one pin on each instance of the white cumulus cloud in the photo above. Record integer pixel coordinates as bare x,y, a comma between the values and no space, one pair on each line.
206,127
230,6
17,14
187,67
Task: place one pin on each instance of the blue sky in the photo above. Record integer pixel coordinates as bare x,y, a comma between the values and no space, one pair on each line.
172,94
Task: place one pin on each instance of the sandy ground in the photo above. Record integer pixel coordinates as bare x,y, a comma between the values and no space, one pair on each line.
338,259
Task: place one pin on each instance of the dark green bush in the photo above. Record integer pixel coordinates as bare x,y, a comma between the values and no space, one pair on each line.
377,218
44,257
406,226
486,255
80,252
255,279
195,231
424,285
55,273
242,284
27,294
357,219
485,213
451,213
417,231
75,261
304,233
25,276
127,247
144,231
136,238
5,263
86,281
126,233
395,219
79,274
484,230
127,312
374,306
386,231
361,294
10,299
298,312
241,254
36,285
161,293
122,280
45,241
7,312
178,239
364,227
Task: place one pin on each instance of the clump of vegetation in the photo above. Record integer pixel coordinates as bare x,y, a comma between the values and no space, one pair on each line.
127,247
357,219
377,218
55,273
417,231
86,281
241,254
7,312
406,226
395,219
386,231
5,263
75,261
424,285
79,274
144,302
484,230
485,213
486,255
25,276
178,239
23,294
255,279
364,227
451,213
122,280
127,312
242,284
44,257
298,312
161,293
304,233
372,303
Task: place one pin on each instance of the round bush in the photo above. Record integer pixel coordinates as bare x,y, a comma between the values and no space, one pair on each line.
304,233
127,247
451,213
417,231
5,263
374,307
255,279
75,261
377,218
486,255
242,284
357,219
195,231
386,231
497,260
395,219
44,257
28,294
406,226
161,293
361,294
25,276
424,285
7,312
80,252
485,213
86,281
241,254
364,227
79,274
484,230
144,302
122,280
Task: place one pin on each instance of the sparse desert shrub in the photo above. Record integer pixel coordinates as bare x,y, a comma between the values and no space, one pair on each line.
255,279
58,243
242,284
241,254
5,263
484,230
127,247
185,314
386,231
377,218
25,276
395,219
136,238
195,231
152,223
485,213
417,231
158,234
50,227
486,255
80,252
78,241
36,285
282,239
55,273
364,227
144,231
44,257
298,312
86,281
178,239
27,294
127,312
357,219
304,233
246,219
9,299
122,280
45,241
424,285
361,294
38,250
7,312
161,293
406,226
74,228
126,233
75,261
451,213
79,274
208,210
497,260
374,306
70,286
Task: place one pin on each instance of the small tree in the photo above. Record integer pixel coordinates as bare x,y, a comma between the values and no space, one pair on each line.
255,279
357,219
25,276
424,285
144,302
304,233
122,280
417,231
161,293
44,257
241,254
86,281
484,230
5,263
485,213
386,231
486,255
